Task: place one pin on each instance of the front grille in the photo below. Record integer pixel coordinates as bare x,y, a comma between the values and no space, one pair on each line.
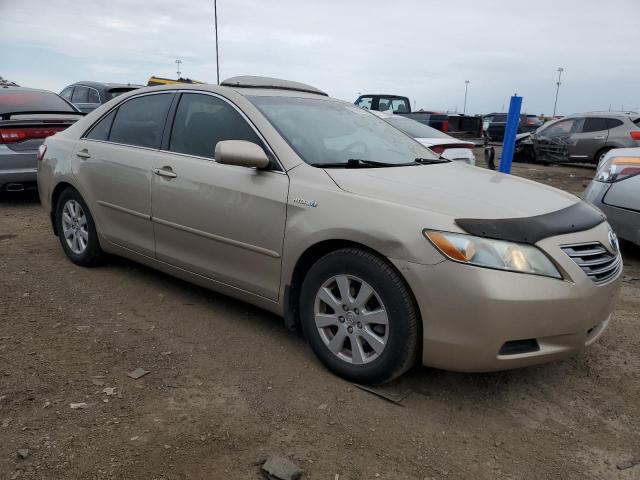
596,261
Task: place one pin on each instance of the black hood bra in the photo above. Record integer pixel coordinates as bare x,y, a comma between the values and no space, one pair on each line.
575,218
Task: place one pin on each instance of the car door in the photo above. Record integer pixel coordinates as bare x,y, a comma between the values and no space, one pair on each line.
553,142
588,139
222,221
113,163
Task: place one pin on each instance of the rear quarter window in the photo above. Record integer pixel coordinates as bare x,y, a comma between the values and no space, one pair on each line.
614,122
100,130
140,121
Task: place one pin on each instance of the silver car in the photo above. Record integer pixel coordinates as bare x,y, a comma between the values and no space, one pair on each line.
586,137
317,210
616,191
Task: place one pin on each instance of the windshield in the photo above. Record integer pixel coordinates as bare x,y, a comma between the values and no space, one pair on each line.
415,129
325,131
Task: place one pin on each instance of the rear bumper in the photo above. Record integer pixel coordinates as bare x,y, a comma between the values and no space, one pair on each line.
23,176
470,313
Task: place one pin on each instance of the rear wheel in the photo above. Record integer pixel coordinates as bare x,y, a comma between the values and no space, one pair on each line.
359,316
76,229
600,155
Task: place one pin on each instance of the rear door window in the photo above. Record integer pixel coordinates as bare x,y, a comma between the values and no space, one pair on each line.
594,124
201,121
140,121
80,95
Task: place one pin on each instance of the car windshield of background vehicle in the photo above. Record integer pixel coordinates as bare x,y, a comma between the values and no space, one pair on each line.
325,131
416,129
12,101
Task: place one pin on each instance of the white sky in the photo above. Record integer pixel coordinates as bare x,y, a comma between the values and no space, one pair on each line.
424,49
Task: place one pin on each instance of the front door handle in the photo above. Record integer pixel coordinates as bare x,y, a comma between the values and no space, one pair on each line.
84,153
165,172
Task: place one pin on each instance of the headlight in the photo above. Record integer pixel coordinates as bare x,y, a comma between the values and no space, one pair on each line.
484,252
615,169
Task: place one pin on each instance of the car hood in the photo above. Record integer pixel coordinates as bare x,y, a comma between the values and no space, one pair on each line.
455,190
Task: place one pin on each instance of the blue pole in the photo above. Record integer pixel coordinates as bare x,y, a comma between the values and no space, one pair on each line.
510,131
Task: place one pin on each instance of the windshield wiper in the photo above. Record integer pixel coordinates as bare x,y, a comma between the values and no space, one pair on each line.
358,163
431,161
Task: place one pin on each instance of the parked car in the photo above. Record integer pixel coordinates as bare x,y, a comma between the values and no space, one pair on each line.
586,137
494,123
27,117
272,192
90,95
615,190
444,145
465,127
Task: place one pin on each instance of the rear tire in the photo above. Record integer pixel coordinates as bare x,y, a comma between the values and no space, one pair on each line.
76,230
600,155
359,316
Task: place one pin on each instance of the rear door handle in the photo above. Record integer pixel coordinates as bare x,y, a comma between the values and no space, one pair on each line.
165,172
600,137
84,153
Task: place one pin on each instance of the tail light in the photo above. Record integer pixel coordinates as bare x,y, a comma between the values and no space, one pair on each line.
12,135
635,135
615,169
445,126
439,149
42,149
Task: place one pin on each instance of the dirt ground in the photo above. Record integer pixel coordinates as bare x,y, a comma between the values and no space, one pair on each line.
229,385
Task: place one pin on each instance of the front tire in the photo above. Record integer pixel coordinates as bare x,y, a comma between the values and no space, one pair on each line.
76,230
359,316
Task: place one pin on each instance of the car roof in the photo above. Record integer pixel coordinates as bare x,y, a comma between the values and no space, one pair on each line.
603,114
268,87
89,83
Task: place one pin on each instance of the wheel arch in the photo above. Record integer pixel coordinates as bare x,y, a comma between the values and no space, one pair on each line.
311,255
55,195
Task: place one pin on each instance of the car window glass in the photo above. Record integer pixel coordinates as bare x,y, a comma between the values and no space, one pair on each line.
201,121
614,122
365,102
66,93
100,130
594,124
384,104
499,118
93,96
80,95
563,127
399,105
140,121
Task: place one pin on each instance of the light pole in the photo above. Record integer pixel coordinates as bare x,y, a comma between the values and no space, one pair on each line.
178,62
466,88
215,17
555,104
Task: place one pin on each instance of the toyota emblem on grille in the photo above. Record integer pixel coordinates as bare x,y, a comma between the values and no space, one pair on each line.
613,241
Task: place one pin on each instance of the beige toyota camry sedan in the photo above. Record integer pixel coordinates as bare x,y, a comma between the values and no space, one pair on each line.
383,253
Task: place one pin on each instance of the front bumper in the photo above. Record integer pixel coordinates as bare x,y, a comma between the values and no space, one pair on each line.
470,313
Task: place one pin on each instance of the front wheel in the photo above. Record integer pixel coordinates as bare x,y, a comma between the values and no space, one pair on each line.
76,229
359,316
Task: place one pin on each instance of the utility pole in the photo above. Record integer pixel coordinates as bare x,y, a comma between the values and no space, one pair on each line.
555,104
178,62
215,16
466,88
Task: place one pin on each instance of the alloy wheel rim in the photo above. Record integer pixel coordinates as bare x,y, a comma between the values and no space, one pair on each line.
351,319
74,227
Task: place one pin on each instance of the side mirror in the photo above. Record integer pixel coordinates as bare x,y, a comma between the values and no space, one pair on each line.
241,153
